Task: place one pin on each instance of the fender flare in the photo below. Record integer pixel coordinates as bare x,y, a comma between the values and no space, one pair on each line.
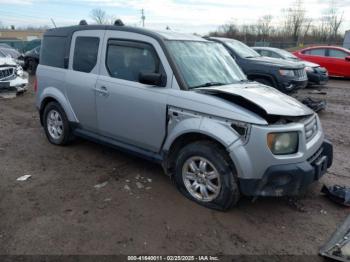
56,94
223,134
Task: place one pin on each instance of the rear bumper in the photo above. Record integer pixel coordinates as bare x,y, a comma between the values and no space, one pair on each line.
290,179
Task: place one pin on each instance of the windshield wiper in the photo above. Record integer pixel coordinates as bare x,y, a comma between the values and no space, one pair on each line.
209,84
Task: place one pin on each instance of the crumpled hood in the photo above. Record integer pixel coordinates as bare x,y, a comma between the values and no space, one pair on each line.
267,98
7,61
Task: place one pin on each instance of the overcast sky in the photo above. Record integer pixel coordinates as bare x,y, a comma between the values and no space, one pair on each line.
189,16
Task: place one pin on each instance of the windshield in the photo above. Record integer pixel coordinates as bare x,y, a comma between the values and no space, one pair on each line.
1,54
241,49
204,63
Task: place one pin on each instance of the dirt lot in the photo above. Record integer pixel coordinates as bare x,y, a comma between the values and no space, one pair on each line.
59,211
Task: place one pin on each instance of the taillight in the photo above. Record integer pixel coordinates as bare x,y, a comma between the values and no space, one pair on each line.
35,85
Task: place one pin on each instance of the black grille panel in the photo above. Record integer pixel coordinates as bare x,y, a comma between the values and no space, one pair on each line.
310,128
300,74
6,72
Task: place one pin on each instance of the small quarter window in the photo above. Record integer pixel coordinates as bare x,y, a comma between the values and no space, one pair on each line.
53,51
127,60
85,53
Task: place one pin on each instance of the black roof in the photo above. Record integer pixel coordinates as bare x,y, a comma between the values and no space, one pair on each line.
159,35
69,31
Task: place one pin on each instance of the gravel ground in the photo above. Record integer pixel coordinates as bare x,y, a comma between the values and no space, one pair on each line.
135,209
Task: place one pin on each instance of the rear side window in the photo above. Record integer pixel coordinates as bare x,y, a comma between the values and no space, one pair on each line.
127,60
85,53
337,53
316,52
53,51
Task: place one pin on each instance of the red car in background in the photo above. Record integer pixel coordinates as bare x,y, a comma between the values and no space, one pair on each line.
335,59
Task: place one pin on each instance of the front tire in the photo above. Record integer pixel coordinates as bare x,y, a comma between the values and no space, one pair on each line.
56,125
204,174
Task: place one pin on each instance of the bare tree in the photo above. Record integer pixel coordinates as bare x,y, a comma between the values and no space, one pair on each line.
334,18
295,19
264,26
99,16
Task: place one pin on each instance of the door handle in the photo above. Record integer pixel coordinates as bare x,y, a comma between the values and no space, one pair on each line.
102,91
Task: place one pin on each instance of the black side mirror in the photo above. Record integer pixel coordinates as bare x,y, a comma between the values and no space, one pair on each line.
347,58
154,79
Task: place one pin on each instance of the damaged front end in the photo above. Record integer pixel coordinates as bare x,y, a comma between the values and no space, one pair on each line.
264,169
12,77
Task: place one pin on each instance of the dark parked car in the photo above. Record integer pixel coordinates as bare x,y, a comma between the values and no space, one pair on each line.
31,60
285,76
315,73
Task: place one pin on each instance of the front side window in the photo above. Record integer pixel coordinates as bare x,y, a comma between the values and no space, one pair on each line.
53,51
264,53
316,52
85,54
275,55
127,60
335,53
204,63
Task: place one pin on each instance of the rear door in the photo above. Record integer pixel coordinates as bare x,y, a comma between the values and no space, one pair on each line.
82,76
340,66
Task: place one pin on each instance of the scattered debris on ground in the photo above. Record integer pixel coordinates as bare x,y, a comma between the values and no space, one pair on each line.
98,186
315,104
338,194
318,92
24,178
338,247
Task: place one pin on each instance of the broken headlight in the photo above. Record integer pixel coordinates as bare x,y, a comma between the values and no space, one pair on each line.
283,143
19,71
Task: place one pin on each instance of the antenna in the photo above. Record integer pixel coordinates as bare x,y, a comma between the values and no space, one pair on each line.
143,17
53,22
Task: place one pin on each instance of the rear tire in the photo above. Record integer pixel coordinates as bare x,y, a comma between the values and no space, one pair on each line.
204,174
56,125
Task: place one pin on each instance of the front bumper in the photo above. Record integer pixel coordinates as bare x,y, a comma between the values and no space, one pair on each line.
290,179
18,84
318,78
293,85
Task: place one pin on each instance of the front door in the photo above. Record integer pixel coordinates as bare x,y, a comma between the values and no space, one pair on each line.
128,111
